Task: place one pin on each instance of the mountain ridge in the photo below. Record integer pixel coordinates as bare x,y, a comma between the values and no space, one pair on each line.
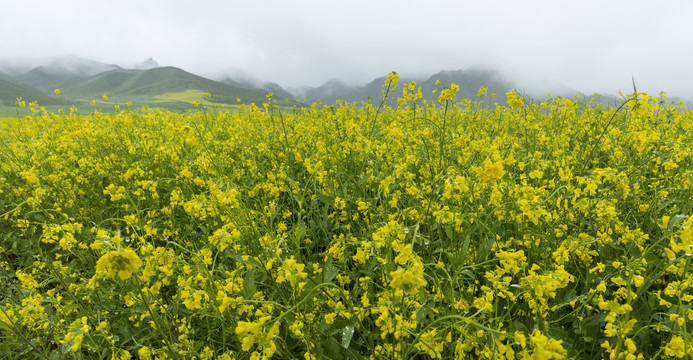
82,80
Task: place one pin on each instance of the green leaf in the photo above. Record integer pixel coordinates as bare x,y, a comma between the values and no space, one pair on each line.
249,284
676,220
330,273
592,325
5,327
519,326
448,232
484,249
465,248
347,334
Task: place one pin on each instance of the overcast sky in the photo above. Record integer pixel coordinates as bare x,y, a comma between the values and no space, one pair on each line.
587,45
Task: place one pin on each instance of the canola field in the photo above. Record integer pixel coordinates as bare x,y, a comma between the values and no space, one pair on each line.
455,229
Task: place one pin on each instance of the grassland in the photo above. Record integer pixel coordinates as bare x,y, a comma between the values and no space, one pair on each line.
446,229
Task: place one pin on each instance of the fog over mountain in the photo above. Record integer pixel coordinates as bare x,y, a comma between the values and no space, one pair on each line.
81,79
590,46
146,65
75,65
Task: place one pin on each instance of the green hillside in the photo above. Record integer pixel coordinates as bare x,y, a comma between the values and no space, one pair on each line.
277,91
169,79
9,92
469,82
137,84
47,81
105,83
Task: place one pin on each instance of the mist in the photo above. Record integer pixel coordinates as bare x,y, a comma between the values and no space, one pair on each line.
589,46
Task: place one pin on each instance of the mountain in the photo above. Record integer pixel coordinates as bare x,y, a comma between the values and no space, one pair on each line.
9,92
144,83
469,82
61,74
128,84
148,83
104,83
331,91
277,91
47,81
76,66
12,68
146,65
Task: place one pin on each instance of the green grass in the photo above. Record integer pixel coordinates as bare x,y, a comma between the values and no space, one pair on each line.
9,92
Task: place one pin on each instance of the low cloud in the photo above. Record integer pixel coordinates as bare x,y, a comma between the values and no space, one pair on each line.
588,46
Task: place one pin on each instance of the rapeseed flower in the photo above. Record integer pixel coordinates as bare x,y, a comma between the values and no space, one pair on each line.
514,101
251,333
292,271
677,347
448,94
123,263
491,172
408,280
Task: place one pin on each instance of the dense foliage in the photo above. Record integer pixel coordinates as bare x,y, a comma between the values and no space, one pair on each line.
456,229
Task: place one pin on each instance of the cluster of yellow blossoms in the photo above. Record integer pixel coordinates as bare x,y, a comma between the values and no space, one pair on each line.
454,229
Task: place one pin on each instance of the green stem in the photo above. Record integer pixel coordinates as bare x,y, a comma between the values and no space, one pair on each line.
156,319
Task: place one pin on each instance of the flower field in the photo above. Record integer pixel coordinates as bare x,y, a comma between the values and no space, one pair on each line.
453,229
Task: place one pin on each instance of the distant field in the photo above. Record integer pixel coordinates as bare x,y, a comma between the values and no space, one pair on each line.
446,229
84,109
175,102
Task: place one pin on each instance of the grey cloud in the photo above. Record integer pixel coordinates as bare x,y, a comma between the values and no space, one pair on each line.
587,45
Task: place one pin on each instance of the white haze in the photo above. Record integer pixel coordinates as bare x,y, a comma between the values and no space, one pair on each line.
590,46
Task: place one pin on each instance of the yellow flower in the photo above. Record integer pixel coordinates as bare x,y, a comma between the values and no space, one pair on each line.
536,174
123,263
28,281
144,353
297,327
405,252
57,91
430,343
292,271
448,94
545,347
30,176
122,355
491,171
391,80
361,256
676,347
252,333
408,280
514,101
193,300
